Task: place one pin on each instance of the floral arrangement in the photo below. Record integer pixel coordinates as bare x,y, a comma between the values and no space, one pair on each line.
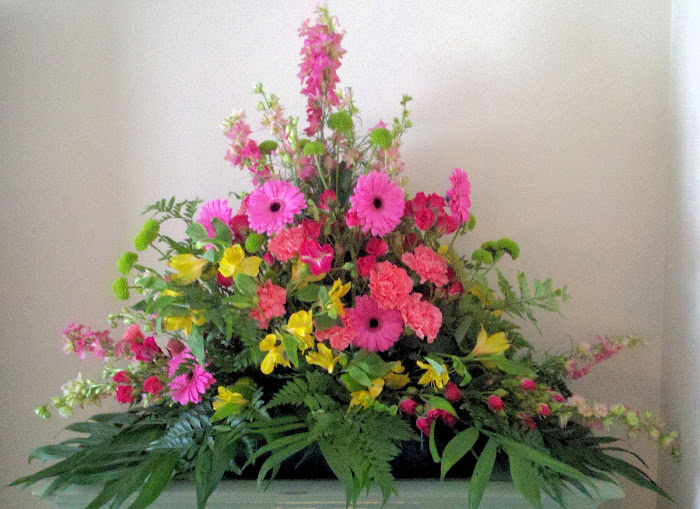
332,312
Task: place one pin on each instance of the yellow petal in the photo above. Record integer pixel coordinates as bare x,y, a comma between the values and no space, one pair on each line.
250,266
268,343
268,363
231,259
188,267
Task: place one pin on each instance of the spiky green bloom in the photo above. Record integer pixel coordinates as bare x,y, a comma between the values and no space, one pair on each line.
472,221
147,235
381,138
253,242
126,262
43,412
120,288
314,148
340,121
483,256
267,146
509,246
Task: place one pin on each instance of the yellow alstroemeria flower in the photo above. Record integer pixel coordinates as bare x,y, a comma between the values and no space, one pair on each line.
490,345
275,354
365,399
184,323
226,396
339,290
170,293
301,325
431,376
188,267
323,357
396,379
235,262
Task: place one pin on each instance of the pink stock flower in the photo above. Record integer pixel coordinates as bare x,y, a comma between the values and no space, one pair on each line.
215,209
189,387
271,301
528,385
365,265
389,285
318,257
321,56
146,351
377,329
378,203
452,393
458,195
286,244
152,385
376,247
326,196
124,394
428,264
274,205
408,406
421,316
495,403
80,340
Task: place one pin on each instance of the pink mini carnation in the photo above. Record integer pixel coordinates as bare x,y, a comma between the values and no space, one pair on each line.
452,393
408,406
421,316
272,206
424,218
376,247
428,264
390,285
438,413
365,265
423,424
495,403
189,387
544,410
286,244
458,195
152,385
378,203
122,377
528,385
271,301
318,257
377,329
124,394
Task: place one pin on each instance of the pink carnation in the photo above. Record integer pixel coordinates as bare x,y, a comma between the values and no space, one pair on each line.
189,387
390,285
378,203
124,394
365,265
452,393
421,316
271,301
318,257
437,413
429,265
423,424
376,247
377,329
272,206
122,377
458,195
286,244
338,336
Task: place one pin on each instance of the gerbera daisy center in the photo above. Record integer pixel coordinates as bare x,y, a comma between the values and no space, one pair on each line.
275,206
374,323
377,203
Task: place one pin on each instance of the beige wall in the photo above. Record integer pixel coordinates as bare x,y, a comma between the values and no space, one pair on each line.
558,112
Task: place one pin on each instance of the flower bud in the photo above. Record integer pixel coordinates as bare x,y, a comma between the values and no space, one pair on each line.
120,288
495,403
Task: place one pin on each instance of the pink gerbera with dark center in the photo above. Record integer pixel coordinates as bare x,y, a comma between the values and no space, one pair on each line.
272,206
189,387
377,329
215,209
458,195
378,203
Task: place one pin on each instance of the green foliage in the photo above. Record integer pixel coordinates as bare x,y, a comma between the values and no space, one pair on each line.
170,209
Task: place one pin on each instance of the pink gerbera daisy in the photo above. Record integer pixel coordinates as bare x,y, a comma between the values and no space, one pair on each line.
378,203
215,209
189,387
458,195
377,329
272,206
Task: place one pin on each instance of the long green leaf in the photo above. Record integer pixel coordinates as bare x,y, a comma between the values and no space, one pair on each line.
455,450
196,343
157,480
482,474
431,444
525,478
